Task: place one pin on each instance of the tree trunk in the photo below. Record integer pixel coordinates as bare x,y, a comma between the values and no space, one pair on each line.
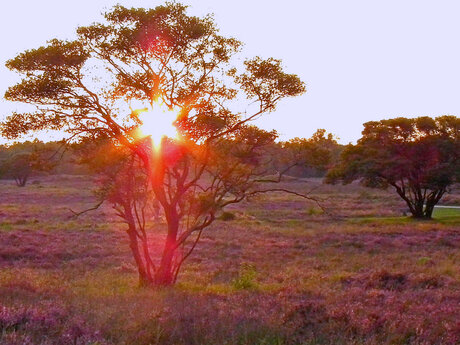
165,274
429,210
145,277
415,203
415,208
418,212
21,181
432,200
422,207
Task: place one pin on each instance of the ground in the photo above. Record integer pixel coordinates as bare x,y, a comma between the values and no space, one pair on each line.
281,271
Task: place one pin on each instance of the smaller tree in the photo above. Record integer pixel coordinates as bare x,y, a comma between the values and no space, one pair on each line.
310,157
19,167
419,158
21,160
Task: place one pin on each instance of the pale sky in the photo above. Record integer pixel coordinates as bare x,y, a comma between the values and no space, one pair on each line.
361,60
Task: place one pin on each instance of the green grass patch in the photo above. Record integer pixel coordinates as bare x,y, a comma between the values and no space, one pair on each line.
383,220
446,213
246,279
440,215
6,226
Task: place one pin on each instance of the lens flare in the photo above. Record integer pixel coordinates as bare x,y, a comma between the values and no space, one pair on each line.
158,122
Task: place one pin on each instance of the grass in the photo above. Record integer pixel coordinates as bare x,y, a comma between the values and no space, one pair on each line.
440,215
277,271
443,213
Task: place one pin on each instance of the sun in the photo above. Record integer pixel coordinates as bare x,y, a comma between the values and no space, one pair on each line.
158,122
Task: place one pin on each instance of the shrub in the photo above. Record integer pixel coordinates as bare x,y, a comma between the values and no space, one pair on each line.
246,277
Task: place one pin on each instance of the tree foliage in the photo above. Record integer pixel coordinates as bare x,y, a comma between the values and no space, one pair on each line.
94,86
419,158
310,157
21,160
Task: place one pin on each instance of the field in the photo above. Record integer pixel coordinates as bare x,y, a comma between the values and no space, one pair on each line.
282,271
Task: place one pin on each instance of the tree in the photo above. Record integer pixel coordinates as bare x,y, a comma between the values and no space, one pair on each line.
312,156
106,84
419,158
20,160
20,168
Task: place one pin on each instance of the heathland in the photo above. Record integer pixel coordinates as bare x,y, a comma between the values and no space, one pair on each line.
273,270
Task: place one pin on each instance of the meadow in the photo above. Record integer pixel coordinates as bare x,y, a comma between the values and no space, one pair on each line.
276,269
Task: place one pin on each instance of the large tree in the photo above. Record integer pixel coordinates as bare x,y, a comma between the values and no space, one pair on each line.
419,158
106,83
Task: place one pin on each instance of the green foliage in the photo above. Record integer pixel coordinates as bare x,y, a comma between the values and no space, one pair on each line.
246,277
419,158
19,161
20,168
309,157
265,81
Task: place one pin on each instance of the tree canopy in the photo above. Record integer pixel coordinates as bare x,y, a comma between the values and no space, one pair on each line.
419,158
104,83
88,85
312,156
19,161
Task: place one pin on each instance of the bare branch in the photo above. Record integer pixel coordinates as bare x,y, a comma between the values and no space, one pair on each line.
77,214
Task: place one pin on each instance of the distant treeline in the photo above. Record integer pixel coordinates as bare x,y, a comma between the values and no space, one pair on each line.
22,160
300,157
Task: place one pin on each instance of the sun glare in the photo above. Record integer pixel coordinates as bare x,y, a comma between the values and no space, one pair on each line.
158,122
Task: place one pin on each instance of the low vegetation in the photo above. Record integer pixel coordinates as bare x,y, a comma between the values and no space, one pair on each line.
273,273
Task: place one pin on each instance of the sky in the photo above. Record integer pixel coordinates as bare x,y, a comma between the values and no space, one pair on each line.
361,60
